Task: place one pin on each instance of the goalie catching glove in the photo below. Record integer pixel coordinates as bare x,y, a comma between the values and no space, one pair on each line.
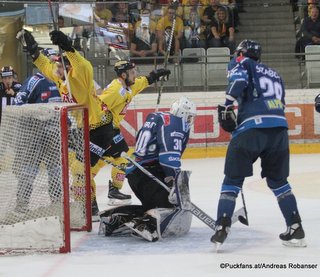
317,103
227,118
158,75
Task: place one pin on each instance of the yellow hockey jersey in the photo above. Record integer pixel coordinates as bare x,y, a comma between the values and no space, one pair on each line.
80,78
117,98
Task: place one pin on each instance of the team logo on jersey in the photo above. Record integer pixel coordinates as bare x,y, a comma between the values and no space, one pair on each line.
45,95
117,138
176,134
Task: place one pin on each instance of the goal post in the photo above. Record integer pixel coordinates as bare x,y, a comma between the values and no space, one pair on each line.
45,190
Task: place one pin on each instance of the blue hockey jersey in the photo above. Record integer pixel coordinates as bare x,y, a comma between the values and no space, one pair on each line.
260,94
163,138
37,89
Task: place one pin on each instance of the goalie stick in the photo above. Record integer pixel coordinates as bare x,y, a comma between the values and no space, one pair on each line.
195,210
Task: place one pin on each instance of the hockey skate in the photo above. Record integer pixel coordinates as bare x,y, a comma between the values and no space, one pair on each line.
222,231
145,227
294,236
117,198
95,211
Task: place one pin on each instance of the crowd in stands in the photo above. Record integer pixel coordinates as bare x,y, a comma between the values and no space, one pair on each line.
309,31
148,25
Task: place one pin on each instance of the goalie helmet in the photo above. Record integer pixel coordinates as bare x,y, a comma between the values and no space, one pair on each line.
6,71
184,108
122,66
249,48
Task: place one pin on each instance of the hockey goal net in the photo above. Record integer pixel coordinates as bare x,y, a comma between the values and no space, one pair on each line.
44,177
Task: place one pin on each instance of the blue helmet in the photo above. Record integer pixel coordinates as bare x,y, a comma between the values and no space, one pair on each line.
249,48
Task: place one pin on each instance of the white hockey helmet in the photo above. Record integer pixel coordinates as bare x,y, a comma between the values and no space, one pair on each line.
184,108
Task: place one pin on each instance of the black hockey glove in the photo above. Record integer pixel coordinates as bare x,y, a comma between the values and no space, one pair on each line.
159,74
2,89
317,103
62,40
227,118
29,43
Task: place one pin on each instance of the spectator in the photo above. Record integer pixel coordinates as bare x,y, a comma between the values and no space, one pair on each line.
60,21
222,31
179,10
8,87
193,5
308,6
164,27
194,31
210,11
144,42
311,32
120,12
102,14
233,11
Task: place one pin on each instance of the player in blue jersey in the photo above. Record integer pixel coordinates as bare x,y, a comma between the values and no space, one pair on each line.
38,89
159,147
35,90
260,130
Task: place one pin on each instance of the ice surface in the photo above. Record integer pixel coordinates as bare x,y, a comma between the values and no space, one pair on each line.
193,255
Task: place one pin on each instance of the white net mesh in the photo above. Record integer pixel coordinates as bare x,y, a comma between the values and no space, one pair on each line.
31,167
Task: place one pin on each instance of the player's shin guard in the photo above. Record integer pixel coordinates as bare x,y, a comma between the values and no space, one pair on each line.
294,235
115,196
118,175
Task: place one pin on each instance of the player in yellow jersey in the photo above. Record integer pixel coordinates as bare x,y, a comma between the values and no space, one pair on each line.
117,96
79,89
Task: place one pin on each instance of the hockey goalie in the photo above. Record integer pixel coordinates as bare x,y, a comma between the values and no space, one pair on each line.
164,211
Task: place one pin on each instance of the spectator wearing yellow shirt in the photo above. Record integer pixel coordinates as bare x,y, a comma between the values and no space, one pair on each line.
164,27
102,15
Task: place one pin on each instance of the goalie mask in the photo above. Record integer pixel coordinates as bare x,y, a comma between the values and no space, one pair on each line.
185,109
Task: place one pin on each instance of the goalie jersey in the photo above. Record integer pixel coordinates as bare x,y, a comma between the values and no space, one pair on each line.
260,93
163,139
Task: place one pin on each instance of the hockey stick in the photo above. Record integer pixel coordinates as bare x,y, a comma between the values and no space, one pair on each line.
175,4
195,210
55,27
244,220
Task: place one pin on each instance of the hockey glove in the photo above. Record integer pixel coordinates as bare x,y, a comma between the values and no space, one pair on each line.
29,43
317,103
227,118
159,74
62,40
